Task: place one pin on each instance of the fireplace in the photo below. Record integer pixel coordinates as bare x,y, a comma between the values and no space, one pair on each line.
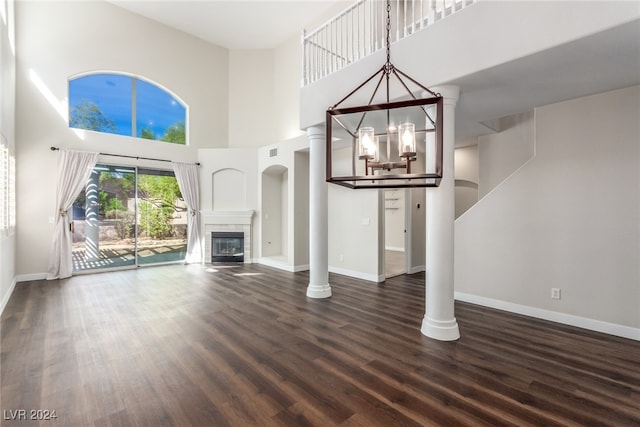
227,246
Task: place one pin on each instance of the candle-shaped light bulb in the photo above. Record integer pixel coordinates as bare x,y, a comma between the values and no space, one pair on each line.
367,143
406,139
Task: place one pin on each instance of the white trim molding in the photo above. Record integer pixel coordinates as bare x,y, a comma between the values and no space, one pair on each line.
31,277
228,217
357,274
553,316
416,269
281,265
7,296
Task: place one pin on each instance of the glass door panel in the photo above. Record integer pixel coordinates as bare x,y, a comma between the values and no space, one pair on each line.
162,218
104,220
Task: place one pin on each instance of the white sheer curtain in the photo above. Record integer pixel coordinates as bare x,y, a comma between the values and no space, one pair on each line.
187,176
74,169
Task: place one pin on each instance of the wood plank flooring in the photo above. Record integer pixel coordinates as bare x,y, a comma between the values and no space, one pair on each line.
243,346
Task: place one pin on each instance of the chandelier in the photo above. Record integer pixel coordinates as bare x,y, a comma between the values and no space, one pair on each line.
394,140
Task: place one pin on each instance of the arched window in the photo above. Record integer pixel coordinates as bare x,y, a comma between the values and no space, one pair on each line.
126,105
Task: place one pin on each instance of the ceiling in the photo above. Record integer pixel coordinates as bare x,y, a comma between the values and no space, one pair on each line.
237,24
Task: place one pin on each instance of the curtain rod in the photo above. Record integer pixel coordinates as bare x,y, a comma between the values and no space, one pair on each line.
130,157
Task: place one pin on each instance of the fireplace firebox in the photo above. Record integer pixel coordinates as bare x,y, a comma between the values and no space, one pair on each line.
227,246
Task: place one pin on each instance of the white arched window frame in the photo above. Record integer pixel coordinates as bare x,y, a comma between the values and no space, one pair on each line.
129,105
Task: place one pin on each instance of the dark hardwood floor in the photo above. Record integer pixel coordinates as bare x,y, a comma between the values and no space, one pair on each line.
243,346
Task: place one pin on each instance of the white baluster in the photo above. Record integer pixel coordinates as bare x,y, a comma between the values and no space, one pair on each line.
413,17
359,32
305,70
353,38
332,54
397,19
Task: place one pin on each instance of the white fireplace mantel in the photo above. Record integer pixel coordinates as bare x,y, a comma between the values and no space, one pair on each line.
228,217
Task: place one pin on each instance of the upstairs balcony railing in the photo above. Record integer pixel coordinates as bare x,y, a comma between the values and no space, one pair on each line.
360,30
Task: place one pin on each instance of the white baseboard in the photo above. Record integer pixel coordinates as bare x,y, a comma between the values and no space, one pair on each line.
357,274
5,298
280,265
299,268
416,269
553,316
30,277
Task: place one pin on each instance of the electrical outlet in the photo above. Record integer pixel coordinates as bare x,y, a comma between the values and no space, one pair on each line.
555,293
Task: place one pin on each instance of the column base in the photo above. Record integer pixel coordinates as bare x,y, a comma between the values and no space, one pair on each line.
439,330
322,291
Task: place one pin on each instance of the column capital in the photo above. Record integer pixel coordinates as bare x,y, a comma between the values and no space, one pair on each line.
450,93
317,131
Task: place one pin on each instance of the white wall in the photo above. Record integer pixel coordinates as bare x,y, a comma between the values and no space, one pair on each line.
7,127
416,230
301,210
228,190
243,161
355,232
293,198
502,153
264,89
568,219
56,40
286,90
274,211
466,173
251,98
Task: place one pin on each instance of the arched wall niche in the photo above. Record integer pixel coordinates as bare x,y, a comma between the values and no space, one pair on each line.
229,188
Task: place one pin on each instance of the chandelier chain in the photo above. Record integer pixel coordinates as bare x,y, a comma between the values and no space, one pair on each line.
388,65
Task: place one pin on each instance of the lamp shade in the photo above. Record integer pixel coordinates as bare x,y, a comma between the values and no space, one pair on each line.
407,140
367,143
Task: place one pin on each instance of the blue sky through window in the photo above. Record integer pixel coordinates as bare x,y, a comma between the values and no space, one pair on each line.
156,109
110,92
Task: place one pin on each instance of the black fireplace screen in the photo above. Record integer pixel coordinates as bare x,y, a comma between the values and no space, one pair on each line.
227,246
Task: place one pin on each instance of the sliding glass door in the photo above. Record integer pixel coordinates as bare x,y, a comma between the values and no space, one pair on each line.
162,218
128,216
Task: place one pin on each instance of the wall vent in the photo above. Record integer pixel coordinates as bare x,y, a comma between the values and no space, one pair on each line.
273,152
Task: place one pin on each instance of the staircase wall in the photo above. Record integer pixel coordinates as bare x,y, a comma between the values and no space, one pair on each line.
569,218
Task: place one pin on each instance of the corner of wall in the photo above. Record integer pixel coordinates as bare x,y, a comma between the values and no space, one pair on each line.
7,296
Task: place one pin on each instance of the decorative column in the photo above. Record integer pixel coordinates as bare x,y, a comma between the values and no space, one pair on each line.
439,320
318,221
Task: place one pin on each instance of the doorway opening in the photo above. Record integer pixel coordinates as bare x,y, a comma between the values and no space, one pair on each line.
395,235
126,217
275,214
